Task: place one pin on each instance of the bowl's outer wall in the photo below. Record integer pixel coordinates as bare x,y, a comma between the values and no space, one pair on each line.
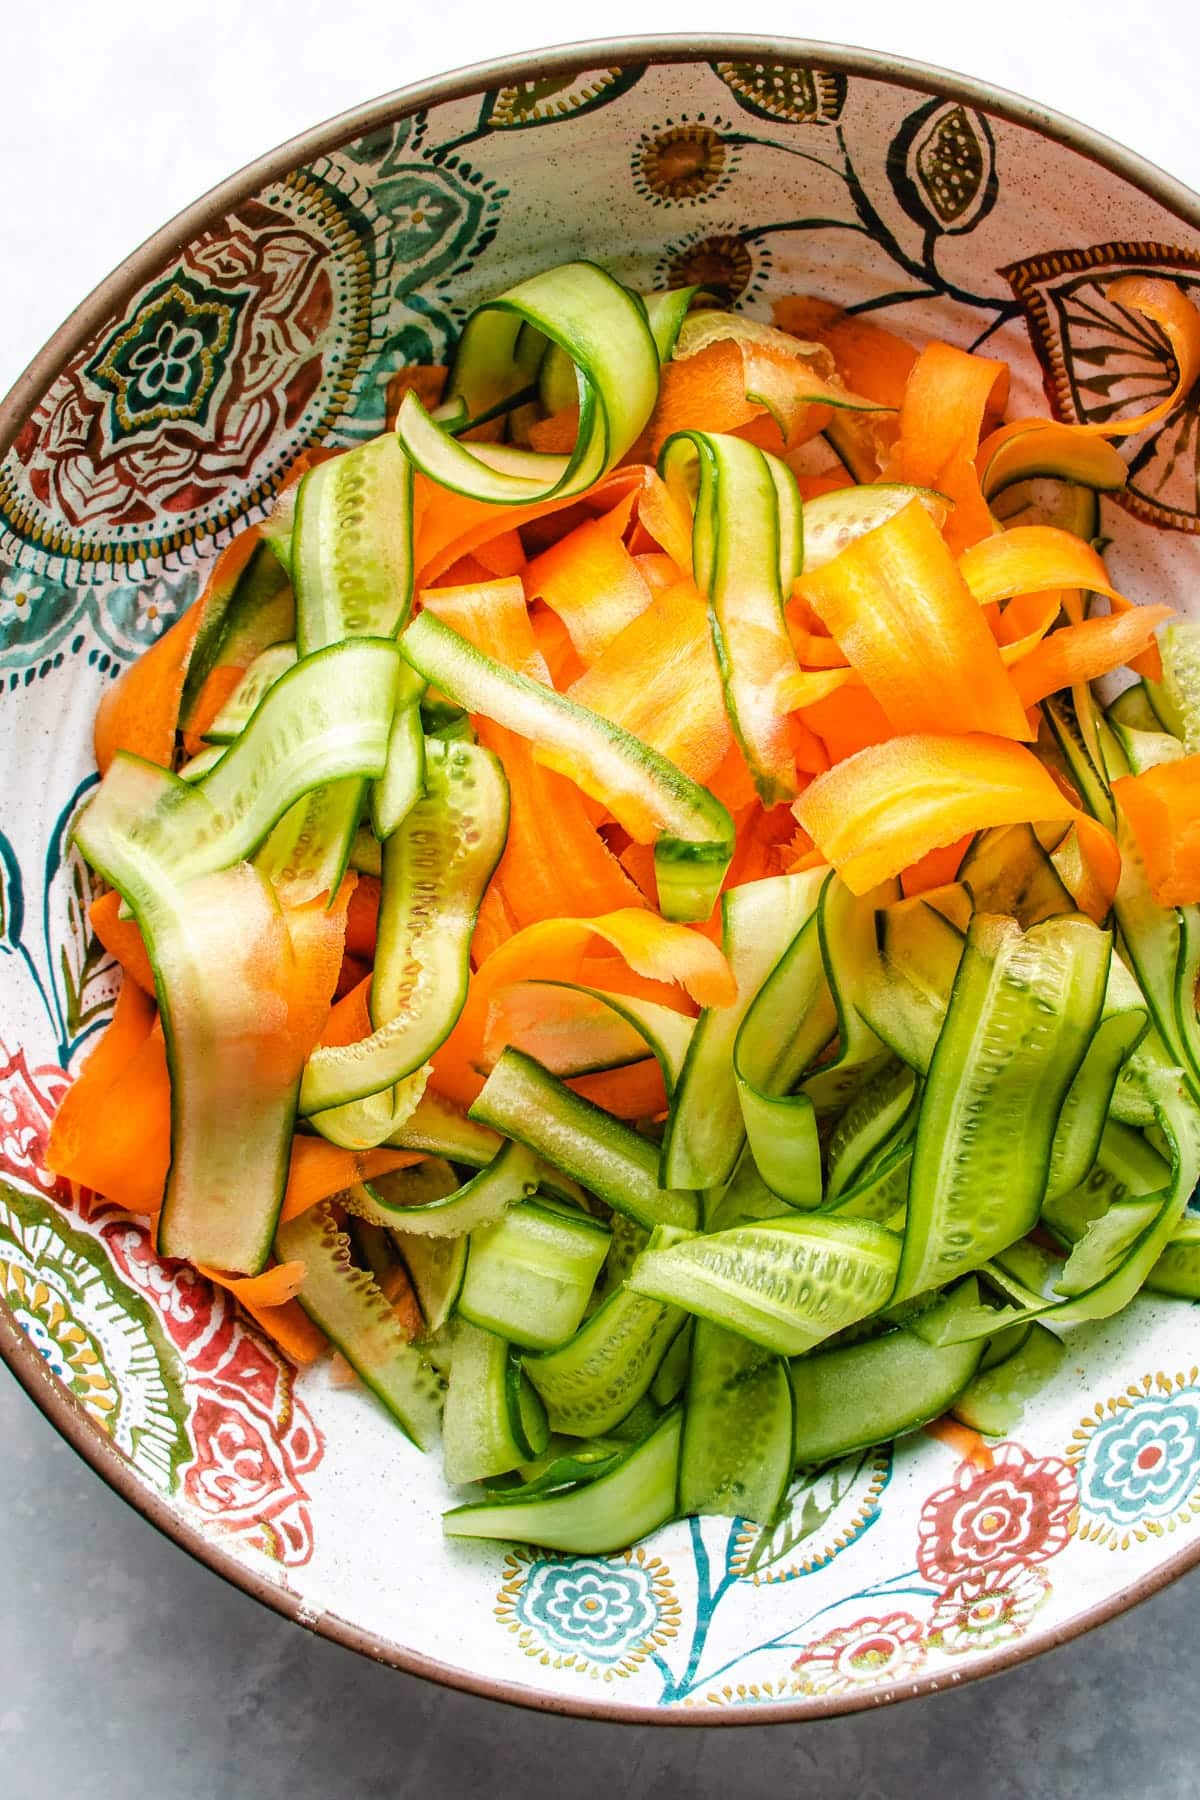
274,320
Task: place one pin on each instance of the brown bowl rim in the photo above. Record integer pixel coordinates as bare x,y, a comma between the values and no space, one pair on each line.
56,1402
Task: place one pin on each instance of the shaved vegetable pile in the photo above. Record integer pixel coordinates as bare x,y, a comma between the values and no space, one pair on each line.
636,929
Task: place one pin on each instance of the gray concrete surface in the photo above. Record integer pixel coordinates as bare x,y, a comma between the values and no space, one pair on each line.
127,1670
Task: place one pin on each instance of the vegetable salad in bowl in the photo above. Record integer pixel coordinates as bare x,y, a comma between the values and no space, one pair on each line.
641,936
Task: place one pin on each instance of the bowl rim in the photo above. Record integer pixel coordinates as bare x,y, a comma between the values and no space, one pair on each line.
57,1404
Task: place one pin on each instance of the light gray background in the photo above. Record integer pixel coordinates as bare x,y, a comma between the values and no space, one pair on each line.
127,1670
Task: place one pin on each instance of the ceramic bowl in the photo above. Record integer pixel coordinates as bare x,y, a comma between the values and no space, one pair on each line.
158,421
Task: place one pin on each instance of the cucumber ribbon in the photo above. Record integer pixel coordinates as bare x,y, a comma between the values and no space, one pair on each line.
747,550
605,332
436,866
655,802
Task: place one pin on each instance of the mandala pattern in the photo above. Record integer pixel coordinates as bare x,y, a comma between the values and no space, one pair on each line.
864,1654
193,405
1018,1511
1101,361
599,1615
827,1510
1137,1462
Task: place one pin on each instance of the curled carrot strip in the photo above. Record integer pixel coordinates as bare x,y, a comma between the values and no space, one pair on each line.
637,1092
318,935
1032,559
554,862
140,712
658,678
896,603
116,1138
813,651
847,721
362,917
732,384
1169,307
274,1287
811,685
593,583
555,950
1084,652
122,939
426,380
1097,463
935,868
945,401
1162,807
319,1169
450,526
82,1109
885,808
291,1329
1013,451
1024,623
962,1439
269,1299
1089,862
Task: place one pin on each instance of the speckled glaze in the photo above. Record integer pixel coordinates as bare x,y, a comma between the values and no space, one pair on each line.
161,419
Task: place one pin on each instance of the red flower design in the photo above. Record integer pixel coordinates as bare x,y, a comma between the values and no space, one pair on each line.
253,1438
28,1101
992,1606
864,1654
1019,1511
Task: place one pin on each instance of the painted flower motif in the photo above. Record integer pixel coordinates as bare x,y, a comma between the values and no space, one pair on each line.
156,607
1147,1462
1102,361
987,1608
722,261
19,590
253,1438
865,1654
682,162
1018,1511
164,366
599,1614
417,215
1138,1462
591,1606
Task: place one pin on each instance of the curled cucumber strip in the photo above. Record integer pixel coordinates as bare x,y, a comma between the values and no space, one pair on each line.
605,332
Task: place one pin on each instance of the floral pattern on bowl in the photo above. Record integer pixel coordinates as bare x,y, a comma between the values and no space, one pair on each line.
296,296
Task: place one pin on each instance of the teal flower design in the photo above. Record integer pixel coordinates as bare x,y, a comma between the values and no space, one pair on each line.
599,1613
1144,1462
591,1606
